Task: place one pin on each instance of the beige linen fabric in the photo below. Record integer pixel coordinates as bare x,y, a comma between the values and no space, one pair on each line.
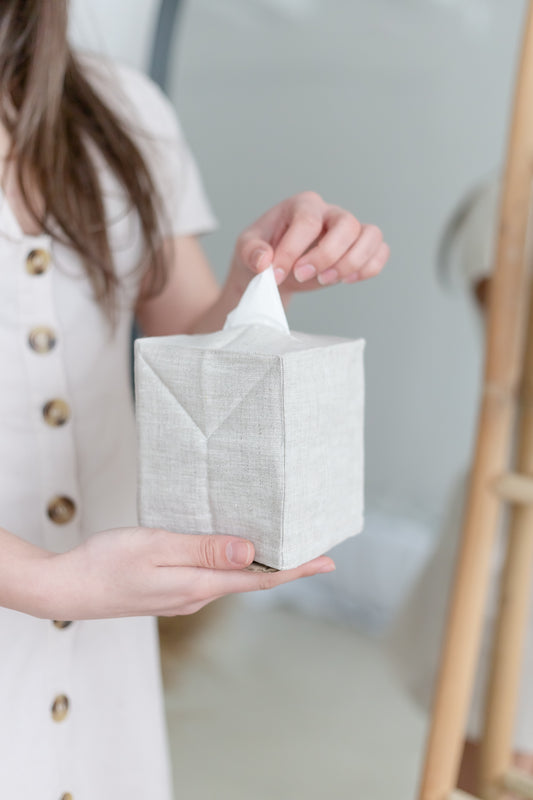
252,432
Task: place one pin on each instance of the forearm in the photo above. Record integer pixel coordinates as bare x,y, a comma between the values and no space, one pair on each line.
22,575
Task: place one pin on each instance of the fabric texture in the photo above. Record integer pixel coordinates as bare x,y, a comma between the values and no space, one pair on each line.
252,432
112,743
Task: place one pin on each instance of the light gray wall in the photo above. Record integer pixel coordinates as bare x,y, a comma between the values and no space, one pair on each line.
392,108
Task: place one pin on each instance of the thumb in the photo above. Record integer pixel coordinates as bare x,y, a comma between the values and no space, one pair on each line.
256,254
213,551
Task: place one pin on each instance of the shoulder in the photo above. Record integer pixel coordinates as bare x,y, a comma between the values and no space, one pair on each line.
149,118
133,96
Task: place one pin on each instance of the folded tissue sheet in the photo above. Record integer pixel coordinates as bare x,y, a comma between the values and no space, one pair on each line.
255,431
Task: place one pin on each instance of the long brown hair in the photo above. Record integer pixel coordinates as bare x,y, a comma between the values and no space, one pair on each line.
53,115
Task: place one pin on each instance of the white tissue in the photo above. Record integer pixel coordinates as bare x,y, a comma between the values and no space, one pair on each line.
260,305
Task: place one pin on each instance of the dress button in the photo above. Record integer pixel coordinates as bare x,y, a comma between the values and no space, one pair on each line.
60,708
41,339
62,623
56,412
61,509
37,262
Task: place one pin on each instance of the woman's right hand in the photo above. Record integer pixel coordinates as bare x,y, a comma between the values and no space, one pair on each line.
142,571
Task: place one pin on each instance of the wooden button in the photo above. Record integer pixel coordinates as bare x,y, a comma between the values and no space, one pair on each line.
37,262
56,412
61,509
41,339
60,708
67,796
62,623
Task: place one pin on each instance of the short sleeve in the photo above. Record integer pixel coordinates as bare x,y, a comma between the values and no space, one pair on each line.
154,126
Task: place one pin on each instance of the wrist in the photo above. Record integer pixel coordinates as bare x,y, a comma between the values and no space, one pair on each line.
27,586
47,597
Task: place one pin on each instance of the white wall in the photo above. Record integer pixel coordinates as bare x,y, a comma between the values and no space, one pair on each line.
392,108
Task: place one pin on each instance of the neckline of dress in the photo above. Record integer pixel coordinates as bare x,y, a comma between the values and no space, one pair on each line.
12,224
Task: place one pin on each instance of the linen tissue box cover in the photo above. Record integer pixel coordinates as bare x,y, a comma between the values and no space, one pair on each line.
254,431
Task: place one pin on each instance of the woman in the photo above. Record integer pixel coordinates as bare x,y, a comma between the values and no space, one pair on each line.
100,211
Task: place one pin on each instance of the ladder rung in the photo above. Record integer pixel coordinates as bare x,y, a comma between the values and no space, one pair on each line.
518,782
514,488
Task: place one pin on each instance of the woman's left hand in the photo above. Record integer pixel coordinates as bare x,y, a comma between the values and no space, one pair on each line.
311,244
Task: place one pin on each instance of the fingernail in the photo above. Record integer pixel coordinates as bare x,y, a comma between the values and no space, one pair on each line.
304,272
239,553
328,277
256,257
329,567
351,278
279,274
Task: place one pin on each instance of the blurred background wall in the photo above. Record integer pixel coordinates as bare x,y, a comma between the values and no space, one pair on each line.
393,109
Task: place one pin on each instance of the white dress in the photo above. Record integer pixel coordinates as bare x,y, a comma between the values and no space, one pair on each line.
81,711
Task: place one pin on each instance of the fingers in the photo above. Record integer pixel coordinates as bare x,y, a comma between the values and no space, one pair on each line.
324,244
365,255
374,265
303,228
185,589
312,244
243,581
365,250
213,551
254,252
342,230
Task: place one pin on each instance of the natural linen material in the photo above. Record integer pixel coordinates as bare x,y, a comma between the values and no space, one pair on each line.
254,431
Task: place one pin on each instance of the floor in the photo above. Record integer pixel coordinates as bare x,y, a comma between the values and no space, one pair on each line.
268,702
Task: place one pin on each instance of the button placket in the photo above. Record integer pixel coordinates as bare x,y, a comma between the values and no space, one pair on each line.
44,356
59,702
61,509
38,261
60,707
56,412
42,339
61,624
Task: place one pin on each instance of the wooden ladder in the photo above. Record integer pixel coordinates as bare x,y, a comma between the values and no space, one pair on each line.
506,410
